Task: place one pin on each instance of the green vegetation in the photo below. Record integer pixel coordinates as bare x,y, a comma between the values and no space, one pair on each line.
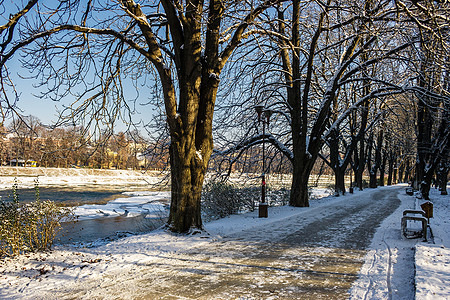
29,227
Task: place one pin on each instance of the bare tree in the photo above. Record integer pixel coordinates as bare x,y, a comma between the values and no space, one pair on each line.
8,36
25,132
183,45
312,60
432,93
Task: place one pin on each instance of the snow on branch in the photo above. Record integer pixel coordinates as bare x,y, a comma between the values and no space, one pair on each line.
424,92
382,92
15,18
370,62
255,140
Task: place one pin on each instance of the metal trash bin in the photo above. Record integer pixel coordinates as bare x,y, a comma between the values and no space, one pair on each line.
427,207
263,210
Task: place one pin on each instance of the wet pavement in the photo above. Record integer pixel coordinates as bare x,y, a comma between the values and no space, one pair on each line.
314,258
312,255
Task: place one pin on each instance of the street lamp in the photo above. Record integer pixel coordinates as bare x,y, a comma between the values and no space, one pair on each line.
264,115
350,189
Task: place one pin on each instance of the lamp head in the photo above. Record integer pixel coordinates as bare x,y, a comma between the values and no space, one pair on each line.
259,110
267,114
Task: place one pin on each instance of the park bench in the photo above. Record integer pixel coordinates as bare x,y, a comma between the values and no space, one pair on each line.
414,215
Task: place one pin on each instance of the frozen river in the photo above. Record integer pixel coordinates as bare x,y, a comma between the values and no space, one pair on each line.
90,232
74,195
103,211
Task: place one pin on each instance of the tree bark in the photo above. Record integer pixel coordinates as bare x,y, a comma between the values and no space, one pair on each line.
187,181
391,168
360,165
442,178
373,178
407,177
339,181
360,149
299,196
401,170
382,168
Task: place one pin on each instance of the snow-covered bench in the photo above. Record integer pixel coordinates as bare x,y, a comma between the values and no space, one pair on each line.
411,215
409,191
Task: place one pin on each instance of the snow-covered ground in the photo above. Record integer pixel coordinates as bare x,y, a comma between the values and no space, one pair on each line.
394,268
432,261
398,268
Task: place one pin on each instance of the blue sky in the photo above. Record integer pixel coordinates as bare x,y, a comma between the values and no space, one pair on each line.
30,103
45,109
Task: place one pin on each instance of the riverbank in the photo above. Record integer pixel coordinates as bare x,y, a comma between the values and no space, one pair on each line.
26,177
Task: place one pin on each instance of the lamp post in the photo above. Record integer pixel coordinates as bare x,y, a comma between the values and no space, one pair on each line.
264,115
350,189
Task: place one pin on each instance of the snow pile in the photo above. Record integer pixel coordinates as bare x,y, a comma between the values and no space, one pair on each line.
432,272
433,260
151,204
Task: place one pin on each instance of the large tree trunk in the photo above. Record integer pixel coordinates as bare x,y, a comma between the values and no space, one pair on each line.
442,176
299,189
190,151
339,181
360,165
302,163
187,181
190,120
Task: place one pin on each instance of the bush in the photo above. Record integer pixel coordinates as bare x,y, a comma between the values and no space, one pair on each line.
278,197
31,226
221,199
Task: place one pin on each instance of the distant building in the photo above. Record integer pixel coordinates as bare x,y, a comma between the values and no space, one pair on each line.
22,163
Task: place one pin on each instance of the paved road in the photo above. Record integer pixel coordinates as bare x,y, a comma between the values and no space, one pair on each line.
315,255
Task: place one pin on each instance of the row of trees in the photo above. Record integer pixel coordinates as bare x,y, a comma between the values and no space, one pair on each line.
343,79
26,139
347,87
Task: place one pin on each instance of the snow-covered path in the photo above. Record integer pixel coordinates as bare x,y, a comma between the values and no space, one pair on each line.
308,253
